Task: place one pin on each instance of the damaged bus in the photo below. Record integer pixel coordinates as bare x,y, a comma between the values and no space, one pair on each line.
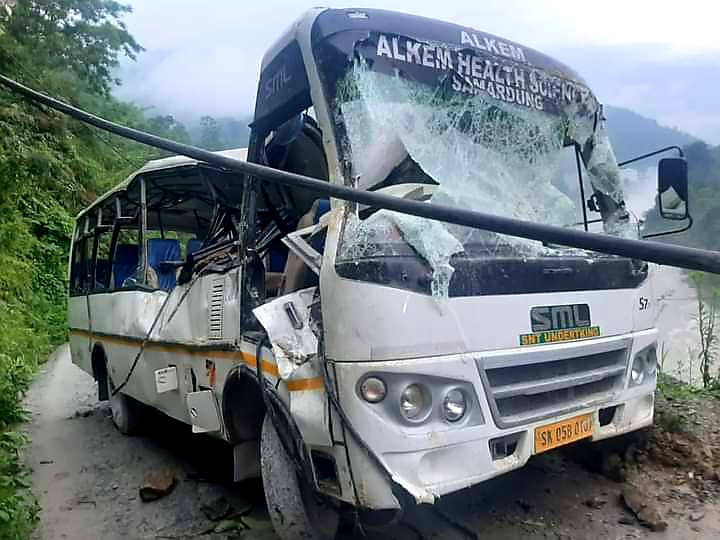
358,357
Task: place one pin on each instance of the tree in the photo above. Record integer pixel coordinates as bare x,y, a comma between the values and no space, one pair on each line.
168,126
82,37
50,167
210,136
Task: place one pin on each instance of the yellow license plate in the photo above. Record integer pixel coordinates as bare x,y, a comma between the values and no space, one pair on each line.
564,432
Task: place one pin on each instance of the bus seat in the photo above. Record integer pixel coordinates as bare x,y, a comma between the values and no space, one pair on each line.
125,263
278,254
296,271
193,245
161,250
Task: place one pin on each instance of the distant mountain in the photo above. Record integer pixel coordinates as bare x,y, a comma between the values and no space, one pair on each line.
633,134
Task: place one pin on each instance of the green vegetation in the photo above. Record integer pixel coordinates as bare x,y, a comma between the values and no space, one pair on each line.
50,167
675,389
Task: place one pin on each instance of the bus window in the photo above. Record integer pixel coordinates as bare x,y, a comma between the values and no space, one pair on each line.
102,261
79,269
126,263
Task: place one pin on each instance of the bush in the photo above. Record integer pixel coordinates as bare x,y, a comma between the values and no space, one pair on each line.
19,510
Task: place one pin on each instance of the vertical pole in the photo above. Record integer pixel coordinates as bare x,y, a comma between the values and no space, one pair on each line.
143,231
583,202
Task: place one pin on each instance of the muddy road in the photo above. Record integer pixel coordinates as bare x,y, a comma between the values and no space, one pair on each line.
87,477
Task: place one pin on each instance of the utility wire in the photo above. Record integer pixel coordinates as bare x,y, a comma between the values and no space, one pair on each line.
667,254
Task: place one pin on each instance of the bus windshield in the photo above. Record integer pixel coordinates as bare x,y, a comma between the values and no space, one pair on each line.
496,146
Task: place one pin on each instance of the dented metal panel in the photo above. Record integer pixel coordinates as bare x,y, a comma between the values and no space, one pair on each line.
287,322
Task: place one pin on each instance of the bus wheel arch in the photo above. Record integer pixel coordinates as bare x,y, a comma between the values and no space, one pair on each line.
98,360
243,407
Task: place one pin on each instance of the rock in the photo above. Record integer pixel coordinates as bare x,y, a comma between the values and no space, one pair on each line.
156,485
625,520
644,510
612,466
697,516
227,525
524,505
216,509
595,502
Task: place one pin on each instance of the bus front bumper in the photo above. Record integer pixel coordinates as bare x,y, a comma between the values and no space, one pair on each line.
434,457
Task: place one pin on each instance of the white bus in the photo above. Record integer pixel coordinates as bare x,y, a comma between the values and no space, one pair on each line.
356,357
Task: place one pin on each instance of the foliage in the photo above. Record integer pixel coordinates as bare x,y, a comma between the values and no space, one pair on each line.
51,167
670,387
221,133
210,133
19,510
83,37
707,320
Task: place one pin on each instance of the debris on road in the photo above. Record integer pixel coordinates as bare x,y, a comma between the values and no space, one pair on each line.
644,510
697,516
217,509
595,502
156,485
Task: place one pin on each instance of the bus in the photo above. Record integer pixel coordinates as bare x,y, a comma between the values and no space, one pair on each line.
355,357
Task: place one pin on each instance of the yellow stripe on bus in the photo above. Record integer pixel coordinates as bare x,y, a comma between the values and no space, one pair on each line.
296,385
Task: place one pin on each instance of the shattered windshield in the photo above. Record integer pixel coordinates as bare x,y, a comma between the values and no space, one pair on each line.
497,143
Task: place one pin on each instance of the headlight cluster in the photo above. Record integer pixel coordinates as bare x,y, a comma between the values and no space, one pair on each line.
644,366
414,401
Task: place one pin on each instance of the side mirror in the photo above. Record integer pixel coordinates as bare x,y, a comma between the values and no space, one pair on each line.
673,188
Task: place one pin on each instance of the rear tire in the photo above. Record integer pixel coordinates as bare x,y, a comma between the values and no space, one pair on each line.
126,412
294,509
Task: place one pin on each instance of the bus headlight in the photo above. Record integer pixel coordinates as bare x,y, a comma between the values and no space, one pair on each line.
414,401
454,405
644,366
373,389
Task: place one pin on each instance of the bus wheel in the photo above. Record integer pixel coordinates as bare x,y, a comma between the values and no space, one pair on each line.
126,413
294,509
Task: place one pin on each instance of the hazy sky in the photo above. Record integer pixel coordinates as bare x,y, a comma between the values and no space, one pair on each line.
659,58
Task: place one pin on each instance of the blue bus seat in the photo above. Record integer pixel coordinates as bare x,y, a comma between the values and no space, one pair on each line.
161,250
125,263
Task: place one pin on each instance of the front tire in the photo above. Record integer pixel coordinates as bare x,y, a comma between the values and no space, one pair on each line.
126,412
294,509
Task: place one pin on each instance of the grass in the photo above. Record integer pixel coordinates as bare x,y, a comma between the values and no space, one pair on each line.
675,389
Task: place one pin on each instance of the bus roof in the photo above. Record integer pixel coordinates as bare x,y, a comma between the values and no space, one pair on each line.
154,165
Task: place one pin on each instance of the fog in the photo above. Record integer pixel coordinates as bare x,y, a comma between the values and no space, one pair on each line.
663,63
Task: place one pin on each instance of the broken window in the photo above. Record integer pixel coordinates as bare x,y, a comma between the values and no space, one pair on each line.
446,143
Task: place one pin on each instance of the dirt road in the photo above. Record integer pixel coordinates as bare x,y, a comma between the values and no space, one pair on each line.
87,476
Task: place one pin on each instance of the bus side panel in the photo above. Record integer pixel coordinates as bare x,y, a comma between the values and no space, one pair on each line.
120,322
79,324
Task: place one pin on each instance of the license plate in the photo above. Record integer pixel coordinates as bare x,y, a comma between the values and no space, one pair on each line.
564,432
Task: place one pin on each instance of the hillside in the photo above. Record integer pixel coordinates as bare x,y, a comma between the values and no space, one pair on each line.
704,193
633,134
51,167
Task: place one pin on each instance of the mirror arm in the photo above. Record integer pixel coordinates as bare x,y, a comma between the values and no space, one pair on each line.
651,154
667,233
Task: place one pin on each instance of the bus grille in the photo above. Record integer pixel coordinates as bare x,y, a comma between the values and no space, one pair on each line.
532,385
